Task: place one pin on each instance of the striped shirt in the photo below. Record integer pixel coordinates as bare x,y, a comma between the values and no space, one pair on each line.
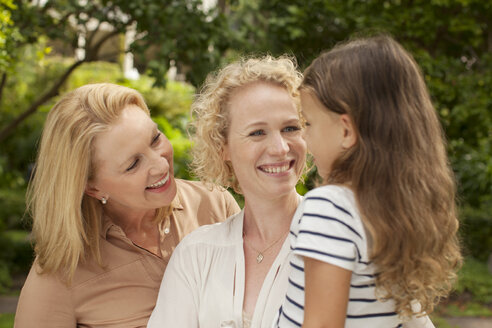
327,227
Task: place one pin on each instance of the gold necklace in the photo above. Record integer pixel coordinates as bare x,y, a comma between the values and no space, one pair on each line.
260,256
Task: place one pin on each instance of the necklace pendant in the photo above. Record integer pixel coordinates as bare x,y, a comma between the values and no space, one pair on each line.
259,258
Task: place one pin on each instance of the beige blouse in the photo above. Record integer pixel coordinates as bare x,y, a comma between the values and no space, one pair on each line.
124,292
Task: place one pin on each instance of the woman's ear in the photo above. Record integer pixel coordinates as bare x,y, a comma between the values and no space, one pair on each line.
92,191
349,132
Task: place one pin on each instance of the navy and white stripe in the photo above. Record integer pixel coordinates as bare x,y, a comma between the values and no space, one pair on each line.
327,227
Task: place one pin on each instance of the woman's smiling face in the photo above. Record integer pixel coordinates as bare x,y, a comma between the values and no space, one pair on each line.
264,142
133,164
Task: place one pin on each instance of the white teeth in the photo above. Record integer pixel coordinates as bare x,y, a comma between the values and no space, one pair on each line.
160,183
276,169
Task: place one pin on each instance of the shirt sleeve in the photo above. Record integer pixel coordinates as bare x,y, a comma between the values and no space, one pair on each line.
177,301
328,231
44,302
231,205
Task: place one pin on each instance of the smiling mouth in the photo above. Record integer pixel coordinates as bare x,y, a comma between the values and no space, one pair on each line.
159,183
278,168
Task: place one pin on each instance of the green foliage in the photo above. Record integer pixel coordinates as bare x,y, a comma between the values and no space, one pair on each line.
95,72
181,146
476,231
7,320
31,75
179,33
16,256
477,280
172,101
470,309
440,322
5,278
462,98
12,206
9,35
472,296
182,32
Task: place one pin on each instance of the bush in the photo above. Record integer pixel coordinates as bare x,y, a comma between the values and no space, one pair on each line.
475,279
181,146
6,320
476,231
12,207
16,256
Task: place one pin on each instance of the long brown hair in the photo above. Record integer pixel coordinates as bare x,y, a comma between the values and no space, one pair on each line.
398,168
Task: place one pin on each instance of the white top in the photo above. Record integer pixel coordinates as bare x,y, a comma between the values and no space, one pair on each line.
203,285
328,228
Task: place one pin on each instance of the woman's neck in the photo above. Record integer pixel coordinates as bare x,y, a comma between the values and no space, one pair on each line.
268,219
131,221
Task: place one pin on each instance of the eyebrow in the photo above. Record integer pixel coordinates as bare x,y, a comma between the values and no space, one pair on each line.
262,123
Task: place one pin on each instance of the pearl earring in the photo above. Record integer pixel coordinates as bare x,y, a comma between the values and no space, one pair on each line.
104,201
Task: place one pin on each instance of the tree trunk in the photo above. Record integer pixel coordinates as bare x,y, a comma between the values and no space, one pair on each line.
7,130
489,41
2,85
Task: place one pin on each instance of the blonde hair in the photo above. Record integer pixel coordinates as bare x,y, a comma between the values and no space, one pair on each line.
211,115
398,169
66,221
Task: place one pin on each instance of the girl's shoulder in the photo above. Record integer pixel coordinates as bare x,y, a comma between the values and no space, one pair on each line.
333,193
336,197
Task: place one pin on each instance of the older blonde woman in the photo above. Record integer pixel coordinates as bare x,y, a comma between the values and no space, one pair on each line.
107,212
247,136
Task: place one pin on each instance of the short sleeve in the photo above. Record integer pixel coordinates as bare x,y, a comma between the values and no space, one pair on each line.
231,205
328,231
44,302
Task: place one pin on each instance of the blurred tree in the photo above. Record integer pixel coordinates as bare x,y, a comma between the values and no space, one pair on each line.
178,31
9,35
450,39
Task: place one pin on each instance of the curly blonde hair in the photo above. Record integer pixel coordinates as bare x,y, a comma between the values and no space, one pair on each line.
211,114
398,168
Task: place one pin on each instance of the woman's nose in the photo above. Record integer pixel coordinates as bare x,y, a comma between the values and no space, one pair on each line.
279,145
159,164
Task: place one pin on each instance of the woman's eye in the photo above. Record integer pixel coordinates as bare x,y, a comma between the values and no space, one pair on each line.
257,133
133,165
156,138
292,128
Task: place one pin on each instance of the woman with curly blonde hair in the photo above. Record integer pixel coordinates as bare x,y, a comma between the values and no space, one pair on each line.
107,212
247,134
378,242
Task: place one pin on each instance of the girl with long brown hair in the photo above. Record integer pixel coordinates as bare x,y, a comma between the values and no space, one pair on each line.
377,243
